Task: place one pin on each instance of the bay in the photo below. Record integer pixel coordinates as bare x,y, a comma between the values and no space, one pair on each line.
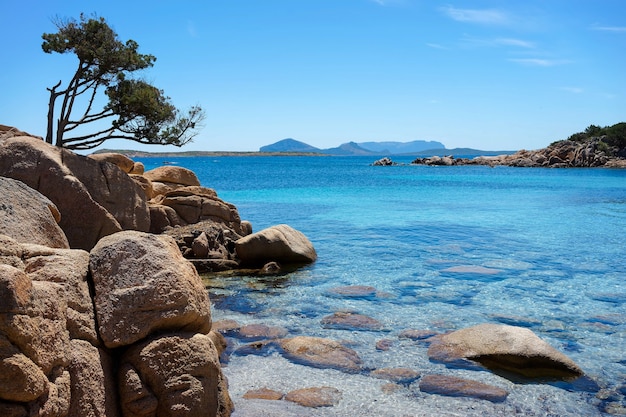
445,248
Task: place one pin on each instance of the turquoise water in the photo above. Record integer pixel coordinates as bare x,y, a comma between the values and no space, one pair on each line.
552,241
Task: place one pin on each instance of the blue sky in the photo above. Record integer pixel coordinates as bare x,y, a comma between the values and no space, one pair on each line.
486,74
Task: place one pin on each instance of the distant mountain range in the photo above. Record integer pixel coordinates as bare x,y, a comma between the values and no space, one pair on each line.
416,147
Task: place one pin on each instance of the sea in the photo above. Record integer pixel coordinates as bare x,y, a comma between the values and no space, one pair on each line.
445,248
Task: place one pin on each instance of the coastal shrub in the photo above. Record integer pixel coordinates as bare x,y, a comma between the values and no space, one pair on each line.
612,138
604,147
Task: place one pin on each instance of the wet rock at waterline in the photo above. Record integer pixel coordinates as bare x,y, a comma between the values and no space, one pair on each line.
503,347
280,243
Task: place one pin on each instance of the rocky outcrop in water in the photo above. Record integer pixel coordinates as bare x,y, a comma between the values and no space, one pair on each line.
503,347
280,243
562,154
384,162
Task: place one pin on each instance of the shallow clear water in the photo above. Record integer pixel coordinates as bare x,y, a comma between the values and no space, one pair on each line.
553,237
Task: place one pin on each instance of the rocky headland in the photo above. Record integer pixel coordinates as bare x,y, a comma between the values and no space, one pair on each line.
562,154
103,312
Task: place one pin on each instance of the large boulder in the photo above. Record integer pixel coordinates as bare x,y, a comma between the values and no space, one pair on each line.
176,372
93,387
33,318
172,174
20,379
10,131
70,269
170,178
29,217
34,346
503,347
95,198
121,161
280,243
143,285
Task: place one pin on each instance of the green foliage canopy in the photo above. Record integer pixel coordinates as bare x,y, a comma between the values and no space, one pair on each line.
136,110
613,136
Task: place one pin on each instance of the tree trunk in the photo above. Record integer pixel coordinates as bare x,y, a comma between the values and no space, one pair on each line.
53,98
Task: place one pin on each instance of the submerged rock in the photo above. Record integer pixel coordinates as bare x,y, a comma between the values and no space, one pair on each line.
315,397
459,387
472,269
321,353
353,291
263,394
415,334
384,344
404,376
350,321
506,348
258,331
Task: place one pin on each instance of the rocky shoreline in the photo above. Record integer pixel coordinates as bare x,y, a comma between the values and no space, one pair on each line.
562,154
103,312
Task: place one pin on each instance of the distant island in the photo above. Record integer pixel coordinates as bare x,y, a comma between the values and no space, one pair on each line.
416,147
292,147
596,146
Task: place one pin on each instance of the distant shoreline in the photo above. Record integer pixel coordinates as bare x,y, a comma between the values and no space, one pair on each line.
432,152
185,154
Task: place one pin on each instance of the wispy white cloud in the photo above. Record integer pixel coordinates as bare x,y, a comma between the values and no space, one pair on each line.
481,16
473,42
514,42
614,29
538,62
